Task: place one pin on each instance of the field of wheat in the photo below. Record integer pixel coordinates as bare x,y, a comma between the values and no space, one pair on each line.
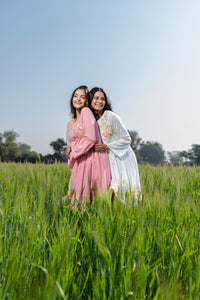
150,251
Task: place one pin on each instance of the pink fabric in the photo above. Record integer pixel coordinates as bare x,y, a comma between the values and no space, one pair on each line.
90,169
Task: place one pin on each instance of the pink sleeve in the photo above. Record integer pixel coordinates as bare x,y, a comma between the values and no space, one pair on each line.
70,160
68,126
82,145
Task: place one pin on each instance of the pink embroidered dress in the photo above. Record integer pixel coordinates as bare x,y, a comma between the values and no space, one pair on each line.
90,169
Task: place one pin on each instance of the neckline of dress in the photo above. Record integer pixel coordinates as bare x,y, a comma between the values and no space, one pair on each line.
76,119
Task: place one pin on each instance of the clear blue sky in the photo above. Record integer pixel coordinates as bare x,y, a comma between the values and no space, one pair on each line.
145,54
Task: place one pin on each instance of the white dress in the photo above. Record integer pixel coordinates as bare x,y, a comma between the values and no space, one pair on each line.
124,168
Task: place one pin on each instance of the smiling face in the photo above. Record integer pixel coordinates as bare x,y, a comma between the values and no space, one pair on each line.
98,102
79,99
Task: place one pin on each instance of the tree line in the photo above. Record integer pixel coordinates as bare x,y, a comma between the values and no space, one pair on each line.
13,151
146,151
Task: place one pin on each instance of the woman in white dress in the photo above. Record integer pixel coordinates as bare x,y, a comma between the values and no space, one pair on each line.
116,140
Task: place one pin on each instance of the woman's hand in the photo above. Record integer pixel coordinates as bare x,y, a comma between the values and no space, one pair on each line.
100,147
68,150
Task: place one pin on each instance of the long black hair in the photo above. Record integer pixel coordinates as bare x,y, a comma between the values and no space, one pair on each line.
82,87
91,96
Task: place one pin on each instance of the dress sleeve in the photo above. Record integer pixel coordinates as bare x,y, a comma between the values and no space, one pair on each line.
70,160
121,140
87,141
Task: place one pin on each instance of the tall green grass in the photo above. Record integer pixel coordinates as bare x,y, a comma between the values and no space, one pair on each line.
150,251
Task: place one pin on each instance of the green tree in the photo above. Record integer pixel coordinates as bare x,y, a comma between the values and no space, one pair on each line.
185,157
135,139
152,152
10,136
175,157
32,156
9,151
1,138
48,159
24,148
1,142
59,148
136,142
194,154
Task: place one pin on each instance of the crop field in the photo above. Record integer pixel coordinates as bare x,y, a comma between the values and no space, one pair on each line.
48,251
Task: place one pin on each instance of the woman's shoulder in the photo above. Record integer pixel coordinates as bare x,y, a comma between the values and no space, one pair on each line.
87,114
86,110
70,123
110,114
69,126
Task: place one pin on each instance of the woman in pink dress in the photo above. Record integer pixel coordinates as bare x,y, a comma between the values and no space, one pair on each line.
90,169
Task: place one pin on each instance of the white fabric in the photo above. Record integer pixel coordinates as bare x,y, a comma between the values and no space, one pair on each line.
124,169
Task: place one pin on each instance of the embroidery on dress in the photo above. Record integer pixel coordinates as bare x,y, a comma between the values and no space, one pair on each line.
79,127
106,128
75,129
69,129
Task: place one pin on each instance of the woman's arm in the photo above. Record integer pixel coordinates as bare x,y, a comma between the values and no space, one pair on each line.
85,143
68,150
120,139
70,160
100,147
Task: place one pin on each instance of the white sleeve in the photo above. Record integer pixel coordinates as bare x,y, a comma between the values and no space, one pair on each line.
121,140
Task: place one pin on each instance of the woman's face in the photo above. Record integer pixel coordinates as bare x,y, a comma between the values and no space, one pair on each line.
79,99
98,102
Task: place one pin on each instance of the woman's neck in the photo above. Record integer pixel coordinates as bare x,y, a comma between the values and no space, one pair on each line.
99,114
78,113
